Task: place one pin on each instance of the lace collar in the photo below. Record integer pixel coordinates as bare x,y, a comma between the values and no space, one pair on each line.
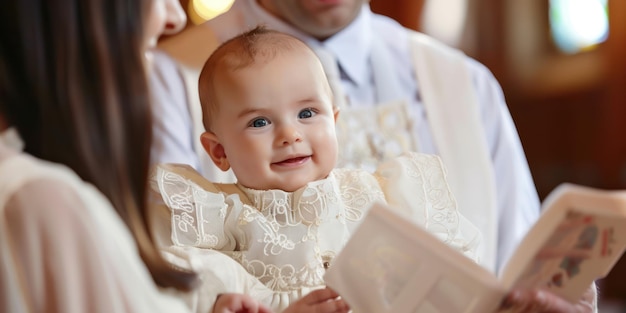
308,203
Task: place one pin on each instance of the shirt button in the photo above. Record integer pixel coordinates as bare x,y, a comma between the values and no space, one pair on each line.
327,257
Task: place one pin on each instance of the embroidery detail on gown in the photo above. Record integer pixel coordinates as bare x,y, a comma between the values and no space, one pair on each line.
356,194
191,212
442,215
287,239
282,238
312,223
307,205
369,135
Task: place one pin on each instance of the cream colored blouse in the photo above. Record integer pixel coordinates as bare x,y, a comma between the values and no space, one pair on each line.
63,248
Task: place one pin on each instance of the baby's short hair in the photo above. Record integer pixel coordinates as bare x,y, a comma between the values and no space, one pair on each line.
257,44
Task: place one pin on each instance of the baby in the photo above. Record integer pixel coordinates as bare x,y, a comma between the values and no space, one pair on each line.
269,115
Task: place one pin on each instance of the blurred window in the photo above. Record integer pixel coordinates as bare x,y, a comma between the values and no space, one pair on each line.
578,25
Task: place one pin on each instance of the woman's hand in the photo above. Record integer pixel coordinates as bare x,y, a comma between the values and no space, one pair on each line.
319,301
238,303
541,301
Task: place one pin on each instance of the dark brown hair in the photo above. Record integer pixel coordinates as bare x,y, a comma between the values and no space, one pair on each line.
73,83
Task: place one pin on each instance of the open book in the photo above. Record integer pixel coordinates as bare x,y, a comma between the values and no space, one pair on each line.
393,265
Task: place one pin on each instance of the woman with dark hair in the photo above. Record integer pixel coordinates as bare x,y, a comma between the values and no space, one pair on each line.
73,213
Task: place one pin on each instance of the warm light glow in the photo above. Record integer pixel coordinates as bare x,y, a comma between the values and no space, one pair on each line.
578,24
204,10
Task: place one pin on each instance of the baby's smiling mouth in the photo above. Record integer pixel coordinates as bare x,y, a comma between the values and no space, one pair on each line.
293,161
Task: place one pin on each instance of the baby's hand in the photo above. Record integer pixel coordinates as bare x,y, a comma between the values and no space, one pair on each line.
319,301
238,303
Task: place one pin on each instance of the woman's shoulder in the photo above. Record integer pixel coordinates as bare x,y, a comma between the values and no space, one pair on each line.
42,204
41,191
26,175
48,202
49,209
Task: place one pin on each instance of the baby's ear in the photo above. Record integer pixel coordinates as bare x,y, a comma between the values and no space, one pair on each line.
214,148
336,113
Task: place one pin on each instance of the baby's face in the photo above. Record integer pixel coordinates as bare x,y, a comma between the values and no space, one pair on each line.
276,122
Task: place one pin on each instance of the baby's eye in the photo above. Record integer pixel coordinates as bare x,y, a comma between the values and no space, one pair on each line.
259,122
306,113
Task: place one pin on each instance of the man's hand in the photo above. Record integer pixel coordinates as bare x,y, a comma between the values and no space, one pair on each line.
541,301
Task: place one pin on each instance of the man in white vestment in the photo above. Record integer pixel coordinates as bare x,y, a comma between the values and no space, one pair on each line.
397,90
385,109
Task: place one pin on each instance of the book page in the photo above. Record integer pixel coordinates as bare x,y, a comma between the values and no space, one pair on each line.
583,236
393,265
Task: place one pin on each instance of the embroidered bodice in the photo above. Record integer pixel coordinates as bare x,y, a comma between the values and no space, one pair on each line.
288,239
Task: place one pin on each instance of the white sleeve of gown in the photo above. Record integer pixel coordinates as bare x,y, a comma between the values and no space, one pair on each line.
199,214
415,185
60,256
218,274
189,218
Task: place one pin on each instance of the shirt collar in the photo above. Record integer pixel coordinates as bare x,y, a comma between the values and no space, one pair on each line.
351,46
